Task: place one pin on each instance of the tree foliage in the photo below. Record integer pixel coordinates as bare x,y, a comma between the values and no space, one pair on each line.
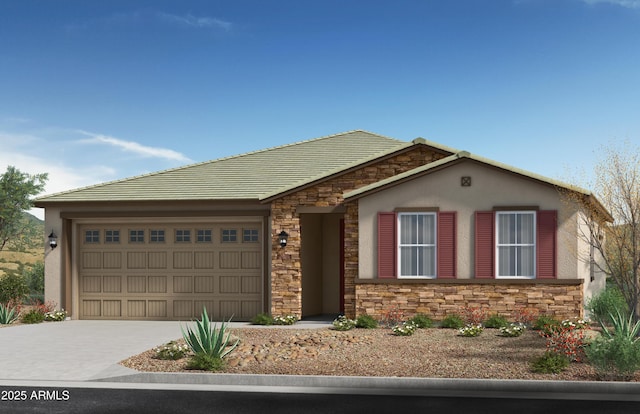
16,192
615,240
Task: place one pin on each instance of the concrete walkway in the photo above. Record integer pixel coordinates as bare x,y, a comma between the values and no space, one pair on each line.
84,350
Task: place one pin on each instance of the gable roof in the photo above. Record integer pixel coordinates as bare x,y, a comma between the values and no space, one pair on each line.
251,176
453,159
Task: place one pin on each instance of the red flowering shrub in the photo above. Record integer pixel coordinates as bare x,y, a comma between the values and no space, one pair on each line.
565,340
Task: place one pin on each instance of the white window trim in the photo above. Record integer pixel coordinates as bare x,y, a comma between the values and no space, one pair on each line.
497,245
399,245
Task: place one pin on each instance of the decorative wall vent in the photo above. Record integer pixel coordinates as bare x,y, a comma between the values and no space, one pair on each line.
465,181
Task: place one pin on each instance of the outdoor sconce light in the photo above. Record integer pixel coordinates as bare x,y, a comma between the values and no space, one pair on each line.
283,236
53,240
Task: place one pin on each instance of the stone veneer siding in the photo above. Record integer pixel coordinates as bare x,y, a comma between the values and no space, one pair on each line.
561,299
286,277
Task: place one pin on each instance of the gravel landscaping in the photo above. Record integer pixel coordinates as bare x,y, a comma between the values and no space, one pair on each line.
433,353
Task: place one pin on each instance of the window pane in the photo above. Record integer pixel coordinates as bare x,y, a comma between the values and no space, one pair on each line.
429,229
526,230
506,261
407,229
525,264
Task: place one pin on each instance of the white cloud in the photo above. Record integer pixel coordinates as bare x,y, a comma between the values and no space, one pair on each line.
193,21
631,4
134,147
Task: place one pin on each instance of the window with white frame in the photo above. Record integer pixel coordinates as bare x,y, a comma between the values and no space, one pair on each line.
516,244
417,244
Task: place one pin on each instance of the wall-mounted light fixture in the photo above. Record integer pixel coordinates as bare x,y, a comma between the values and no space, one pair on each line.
282,238
53,240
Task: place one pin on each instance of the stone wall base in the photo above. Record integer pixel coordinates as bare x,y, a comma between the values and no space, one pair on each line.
561,301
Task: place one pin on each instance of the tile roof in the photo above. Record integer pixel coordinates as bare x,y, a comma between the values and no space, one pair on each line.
249,176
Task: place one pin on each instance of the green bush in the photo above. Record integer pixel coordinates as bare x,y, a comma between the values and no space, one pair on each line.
607,302
422,321
513,330
453,321
545,323
8,314
262,319
171,351
285,320
550,363
496,321
405,329
342,323
366,322
205,362
471,331
207,339
34,276
614,359
33,316
13,288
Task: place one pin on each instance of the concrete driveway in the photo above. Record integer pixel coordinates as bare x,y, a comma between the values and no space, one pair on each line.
77,350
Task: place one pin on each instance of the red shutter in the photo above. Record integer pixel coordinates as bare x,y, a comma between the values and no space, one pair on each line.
546,242
387,246
447,245
484,244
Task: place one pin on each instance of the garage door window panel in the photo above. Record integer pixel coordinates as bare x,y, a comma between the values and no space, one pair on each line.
136,236
250,236
183,236
112,236
156,236
229,235
204,236
92,236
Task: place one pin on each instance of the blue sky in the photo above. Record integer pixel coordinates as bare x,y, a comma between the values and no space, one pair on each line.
94,91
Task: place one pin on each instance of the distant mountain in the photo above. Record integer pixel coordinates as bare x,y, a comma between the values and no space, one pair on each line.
33,219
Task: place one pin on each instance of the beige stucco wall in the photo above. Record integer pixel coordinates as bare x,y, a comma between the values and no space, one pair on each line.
53,258
490,188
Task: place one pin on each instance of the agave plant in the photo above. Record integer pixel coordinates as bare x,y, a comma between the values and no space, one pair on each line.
8,314
209,340
622,325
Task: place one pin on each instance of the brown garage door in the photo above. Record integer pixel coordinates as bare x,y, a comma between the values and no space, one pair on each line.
170,271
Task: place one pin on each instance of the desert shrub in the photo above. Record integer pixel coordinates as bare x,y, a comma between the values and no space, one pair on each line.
171,351
524,315
545,323
262,319
496,321
550,363
513,330
452,321
614,359
205,362
422,321
33,316
607,302
342,323
404,329
209,340
55,316
285,320
471,331
8,314
13,287
473,315
392,317
565,340
366,322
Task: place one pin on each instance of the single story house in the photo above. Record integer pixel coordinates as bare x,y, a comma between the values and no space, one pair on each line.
370,224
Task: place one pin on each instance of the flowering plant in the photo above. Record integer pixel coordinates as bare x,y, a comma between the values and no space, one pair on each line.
471,330
171,351
513,330
575,323
285,320
342,323
474,315
525,315
405,329
567,341
55,315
